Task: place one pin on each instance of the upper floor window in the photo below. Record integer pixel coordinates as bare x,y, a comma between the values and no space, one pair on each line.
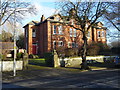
54,29
60,29
103,34
70,32
60,43
99,34
75,34
33,33
57,18
88,35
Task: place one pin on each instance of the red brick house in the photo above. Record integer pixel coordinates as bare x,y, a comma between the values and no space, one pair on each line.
48,34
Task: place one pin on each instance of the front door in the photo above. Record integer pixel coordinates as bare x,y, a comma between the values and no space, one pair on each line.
34,48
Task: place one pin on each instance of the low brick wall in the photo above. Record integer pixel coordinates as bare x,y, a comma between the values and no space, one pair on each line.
76,61
8,65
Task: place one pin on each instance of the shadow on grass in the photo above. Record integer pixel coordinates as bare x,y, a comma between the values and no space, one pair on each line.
103,65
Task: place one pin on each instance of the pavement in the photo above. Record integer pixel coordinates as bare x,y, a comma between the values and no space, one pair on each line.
59,78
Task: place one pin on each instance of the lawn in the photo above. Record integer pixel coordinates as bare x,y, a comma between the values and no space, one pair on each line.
40,62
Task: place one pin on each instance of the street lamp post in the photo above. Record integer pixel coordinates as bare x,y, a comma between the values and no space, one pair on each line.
14,62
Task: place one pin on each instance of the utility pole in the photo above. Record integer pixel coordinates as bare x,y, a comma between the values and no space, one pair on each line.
14,62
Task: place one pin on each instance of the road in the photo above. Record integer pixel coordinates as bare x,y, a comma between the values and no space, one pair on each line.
89,79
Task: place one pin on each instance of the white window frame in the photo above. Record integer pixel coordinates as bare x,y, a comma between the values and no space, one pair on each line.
60,29
71,32
99,34
57,18
75,32
103,34
54,29
60,43
33,33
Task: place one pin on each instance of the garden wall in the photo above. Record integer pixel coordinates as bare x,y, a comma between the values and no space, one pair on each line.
76,61
8,65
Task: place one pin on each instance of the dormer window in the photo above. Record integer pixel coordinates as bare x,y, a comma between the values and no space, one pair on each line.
57,18
33,33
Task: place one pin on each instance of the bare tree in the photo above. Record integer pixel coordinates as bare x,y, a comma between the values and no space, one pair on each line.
9,7
113,15
85,14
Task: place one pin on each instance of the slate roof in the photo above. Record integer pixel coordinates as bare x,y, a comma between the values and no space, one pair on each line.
32,23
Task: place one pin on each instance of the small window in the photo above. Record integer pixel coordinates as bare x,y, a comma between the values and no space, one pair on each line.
99,34
57,18
70,32
69,44
54,44
103,34
54,29
74,30
60,43
33,33
73,44
60,29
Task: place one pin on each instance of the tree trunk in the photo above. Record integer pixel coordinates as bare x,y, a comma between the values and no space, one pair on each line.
84,52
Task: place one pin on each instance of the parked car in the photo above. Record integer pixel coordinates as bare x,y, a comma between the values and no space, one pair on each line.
117,60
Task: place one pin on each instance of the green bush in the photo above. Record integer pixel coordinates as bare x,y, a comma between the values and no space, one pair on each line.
3,57
19,55
49,59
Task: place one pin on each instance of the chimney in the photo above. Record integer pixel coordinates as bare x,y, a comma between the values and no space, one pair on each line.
42,18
